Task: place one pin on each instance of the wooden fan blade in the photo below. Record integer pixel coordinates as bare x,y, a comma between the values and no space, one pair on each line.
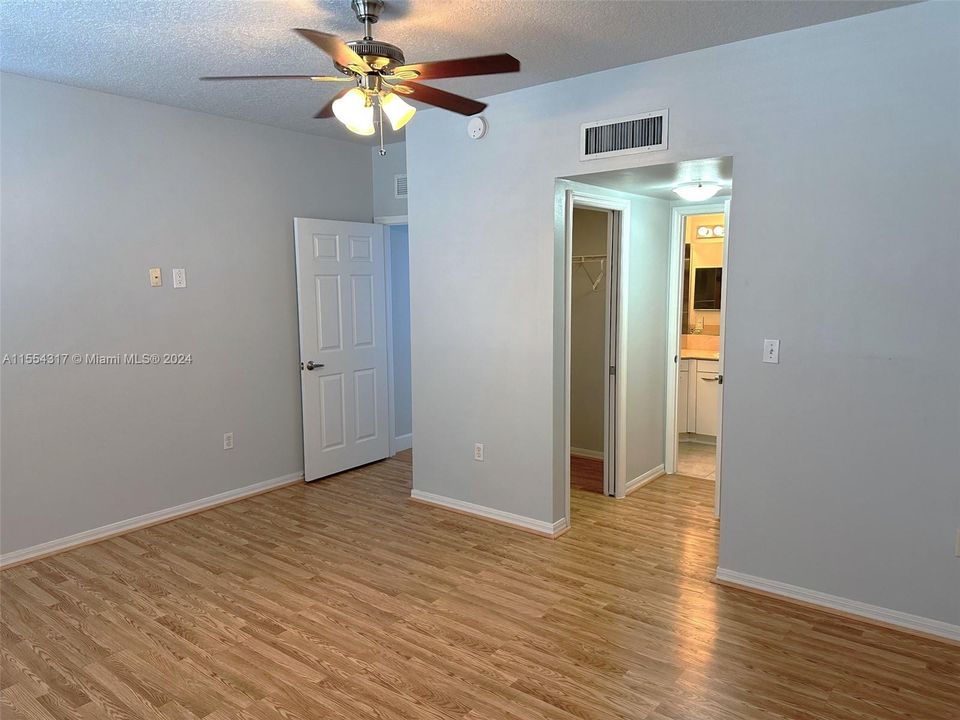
335,48
327,110
442,99
315,78
463,67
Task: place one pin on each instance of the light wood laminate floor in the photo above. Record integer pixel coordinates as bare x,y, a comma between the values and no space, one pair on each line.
586,474
344,599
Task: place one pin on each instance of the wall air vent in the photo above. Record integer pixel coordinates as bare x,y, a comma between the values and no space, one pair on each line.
399,186
624,136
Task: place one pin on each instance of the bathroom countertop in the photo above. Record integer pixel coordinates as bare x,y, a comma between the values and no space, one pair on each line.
688,354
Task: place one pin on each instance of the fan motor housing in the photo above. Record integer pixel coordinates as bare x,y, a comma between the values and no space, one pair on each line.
378,54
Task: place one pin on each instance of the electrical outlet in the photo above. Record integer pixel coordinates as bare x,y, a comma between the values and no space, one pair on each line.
771,351
478,452
156,277
228,441
179,278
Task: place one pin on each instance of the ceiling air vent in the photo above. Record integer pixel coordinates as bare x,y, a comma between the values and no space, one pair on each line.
399,186
624,136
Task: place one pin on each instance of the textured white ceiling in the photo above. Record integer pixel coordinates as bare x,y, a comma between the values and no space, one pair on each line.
156,49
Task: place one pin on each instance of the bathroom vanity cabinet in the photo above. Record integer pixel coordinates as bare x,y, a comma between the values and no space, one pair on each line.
698,397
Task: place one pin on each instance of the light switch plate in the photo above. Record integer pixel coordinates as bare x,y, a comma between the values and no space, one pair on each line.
179,278
156,277
771,351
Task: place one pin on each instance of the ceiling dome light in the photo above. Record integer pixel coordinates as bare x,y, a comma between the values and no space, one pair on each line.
397,109
354,111
697,191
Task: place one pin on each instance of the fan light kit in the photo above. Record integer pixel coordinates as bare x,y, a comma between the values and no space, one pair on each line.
380,76
696,191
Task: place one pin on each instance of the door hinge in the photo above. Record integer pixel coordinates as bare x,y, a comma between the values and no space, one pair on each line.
719,379
613,370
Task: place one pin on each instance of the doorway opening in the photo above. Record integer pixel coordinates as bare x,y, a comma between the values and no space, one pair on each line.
630,304
589,341
397,260
702,236
353,301
696,320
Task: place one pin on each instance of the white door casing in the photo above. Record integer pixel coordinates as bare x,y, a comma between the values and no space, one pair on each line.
341,299
723,336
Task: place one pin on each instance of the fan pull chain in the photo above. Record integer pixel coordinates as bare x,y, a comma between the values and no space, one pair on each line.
383,150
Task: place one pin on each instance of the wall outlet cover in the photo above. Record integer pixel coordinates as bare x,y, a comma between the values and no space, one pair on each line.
478,452
179,278
228,441
156,277
771,351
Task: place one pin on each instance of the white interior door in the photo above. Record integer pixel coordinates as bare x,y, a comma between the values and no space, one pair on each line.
341,297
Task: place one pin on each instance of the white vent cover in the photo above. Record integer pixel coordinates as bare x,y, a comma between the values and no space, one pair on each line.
399,186
624,136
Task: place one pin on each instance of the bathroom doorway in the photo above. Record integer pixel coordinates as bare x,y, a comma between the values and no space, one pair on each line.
699,252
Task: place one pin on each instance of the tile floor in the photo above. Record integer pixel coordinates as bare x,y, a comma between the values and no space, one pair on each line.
697,460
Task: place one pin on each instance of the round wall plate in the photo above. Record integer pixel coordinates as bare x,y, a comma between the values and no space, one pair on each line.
476,128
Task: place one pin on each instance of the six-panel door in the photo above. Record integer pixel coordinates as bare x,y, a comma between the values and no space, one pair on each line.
343,336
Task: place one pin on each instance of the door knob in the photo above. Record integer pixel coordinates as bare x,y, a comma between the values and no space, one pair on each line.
311,365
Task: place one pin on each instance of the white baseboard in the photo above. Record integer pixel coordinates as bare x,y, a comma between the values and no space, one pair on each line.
402,442
86,537
648,477
842,606
584,453
501,516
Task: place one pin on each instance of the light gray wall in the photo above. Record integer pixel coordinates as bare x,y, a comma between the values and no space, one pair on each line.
384,169
97,189
588,333
840,463
645,334
400,299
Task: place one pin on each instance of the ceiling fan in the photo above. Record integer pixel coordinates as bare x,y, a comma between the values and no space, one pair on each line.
379,77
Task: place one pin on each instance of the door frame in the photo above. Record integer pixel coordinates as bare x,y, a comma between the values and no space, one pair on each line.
674,315
618,230
387,221
723,334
